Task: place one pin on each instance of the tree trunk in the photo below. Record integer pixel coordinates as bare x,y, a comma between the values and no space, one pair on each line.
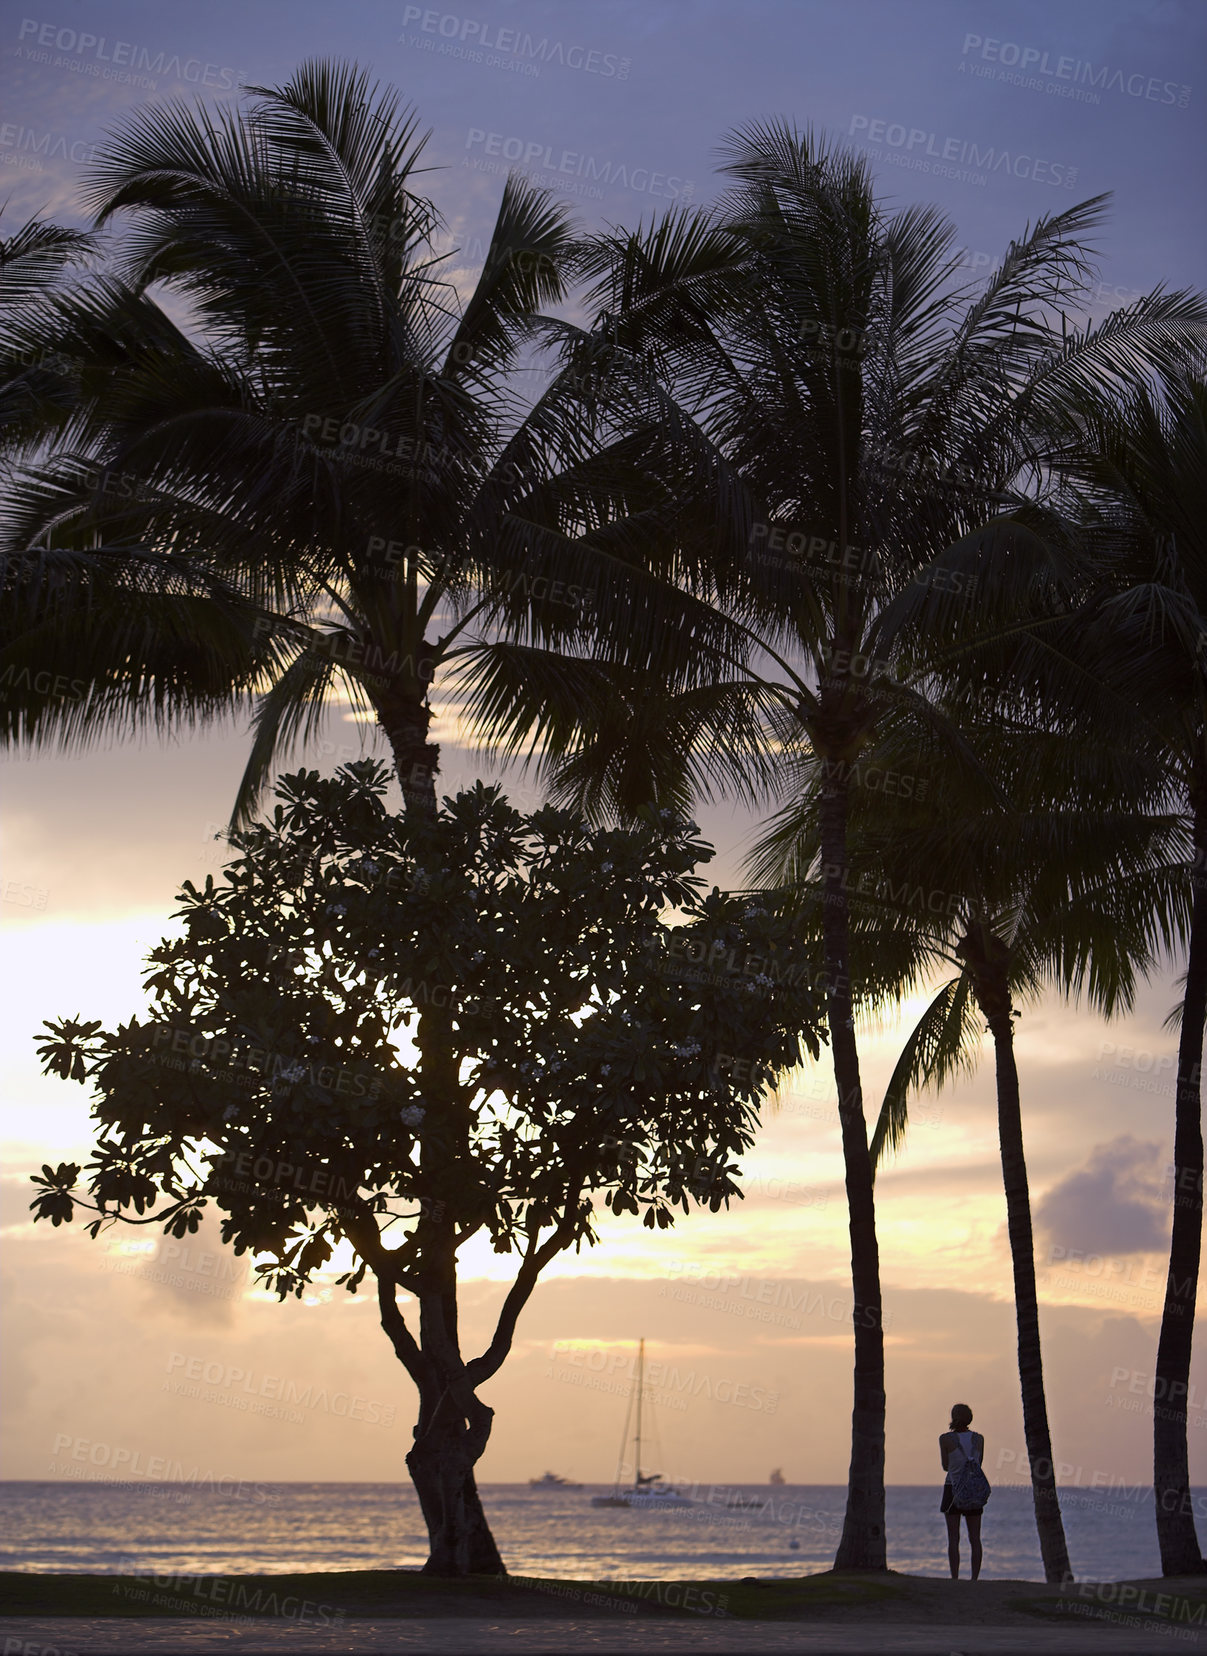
447,1448
862,1545
1176,1534
988,965
405,720
453,1430
451,1435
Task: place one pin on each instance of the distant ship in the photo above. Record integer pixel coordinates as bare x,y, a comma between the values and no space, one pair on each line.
777,1477
552,1481
648,1493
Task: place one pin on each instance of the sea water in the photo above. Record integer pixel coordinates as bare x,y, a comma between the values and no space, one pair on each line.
245,1528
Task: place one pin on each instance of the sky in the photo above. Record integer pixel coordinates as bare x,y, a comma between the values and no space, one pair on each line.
136,1346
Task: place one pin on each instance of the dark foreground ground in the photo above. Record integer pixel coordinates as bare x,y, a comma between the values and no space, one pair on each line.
384,1611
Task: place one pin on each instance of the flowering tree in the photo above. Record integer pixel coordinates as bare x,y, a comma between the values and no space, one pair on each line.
390,1035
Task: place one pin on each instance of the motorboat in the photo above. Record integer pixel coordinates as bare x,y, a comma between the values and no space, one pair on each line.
551,1480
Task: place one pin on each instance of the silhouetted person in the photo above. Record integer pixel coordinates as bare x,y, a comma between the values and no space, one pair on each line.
956,1446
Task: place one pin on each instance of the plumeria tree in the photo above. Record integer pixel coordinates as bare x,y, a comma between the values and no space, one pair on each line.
382,1036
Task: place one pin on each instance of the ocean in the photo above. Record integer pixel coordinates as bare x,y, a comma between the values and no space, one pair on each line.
104,1527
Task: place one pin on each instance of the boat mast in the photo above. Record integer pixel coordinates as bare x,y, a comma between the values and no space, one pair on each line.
640,1389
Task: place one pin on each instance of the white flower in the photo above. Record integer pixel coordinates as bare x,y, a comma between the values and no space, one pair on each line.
369,866
605,1069
337,909
474,959
230,1112
412,1115
373,953
605,868
294,1072
686,1049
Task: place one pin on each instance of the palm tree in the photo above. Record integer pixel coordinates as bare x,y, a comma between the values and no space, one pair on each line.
1135,469
36,260
857,424
321,476
1070,887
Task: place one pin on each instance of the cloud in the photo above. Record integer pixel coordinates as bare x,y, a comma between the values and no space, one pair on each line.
1113,1205
196,1277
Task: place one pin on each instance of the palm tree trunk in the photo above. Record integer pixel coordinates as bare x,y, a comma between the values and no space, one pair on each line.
993,997
1176,1534
405,720
862,1545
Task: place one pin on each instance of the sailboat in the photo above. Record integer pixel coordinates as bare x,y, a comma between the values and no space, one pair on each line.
648,1492
777,1477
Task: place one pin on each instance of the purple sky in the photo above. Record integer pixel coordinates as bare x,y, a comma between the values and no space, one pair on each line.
1078,98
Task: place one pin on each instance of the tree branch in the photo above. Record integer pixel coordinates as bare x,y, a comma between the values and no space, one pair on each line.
399,1335
121,1219
366,1239
534,1262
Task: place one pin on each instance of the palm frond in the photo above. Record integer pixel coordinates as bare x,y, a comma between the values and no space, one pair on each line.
941,1046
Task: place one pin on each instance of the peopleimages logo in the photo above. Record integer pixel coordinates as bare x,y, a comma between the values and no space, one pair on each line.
36,141
532,154
1068,76
43,38
512,43
921,150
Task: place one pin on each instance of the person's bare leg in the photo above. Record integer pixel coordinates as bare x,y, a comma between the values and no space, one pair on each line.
974,1542
953,1542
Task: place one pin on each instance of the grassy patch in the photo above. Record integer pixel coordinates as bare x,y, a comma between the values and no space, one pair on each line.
317,1598
328,1598
323,1599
